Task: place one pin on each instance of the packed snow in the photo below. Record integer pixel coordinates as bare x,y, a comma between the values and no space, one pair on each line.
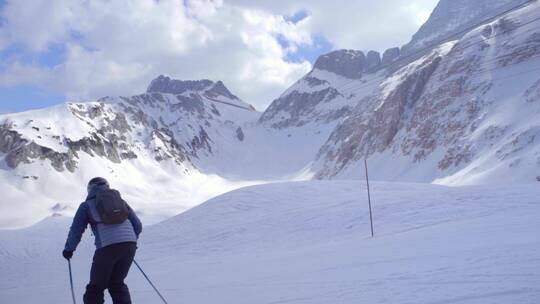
267,231
309,242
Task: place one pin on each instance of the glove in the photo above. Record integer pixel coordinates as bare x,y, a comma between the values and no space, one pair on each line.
67,254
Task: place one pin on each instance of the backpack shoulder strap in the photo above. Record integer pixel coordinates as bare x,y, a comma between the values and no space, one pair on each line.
93,214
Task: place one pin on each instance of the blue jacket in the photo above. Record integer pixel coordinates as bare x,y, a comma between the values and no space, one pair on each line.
104,234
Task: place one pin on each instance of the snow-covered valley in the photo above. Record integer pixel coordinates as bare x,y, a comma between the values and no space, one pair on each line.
166,152
309,242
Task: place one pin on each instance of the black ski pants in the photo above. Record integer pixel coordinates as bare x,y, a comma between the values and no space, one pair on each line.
110,267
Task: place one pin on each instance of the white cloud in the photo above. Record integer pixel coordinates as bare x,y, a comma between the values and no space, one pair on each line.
367,25
36,24
419,13
16,71
117,47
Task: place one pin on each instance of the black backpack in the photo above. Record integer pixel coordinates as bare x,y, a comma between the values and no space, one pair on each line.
111,207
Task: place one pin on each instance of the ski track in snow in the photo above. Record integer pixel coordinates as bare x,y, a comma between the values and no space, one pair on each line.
308,242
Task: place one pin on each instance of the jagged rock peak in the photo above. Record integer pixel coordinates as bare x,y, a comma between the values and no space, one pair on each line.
390,55
347,63
373,61
164,84
220,89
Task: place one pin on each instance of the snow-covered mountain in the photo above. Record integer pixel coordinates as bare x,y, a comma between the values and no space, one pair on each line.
153,145
323,95
171,121
464,112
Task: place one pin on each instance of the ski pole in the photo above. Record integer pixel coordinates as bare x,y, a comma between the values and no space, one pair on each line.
71,283
369,197
151,284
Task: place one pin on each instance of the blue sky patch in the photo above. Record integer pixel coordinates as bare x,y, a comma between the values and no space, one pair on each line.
2,5
320,46
297,16
25,97
51,58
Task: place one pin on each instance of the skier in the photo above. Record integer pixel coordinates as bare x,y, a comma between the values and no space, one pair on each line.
116,229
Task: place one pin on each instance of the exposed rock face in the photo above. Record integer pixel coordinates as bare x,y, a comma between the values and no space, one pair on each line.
299,107
164,84
166,146
372,129
316,98
219,89
313,81
532,94
108,141
19,150
373,61
390,55
240,134
347,63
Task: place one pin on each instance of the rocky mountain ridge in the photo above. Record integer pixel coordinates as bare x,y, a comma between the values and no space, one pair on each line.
434,119
120,128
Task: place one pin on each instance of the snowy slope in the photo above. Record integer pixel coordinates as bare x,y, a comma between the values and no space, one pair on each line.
308,242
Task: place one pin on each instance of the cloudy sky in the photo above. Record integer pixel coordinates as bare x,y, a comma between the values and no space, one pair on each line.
52,51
